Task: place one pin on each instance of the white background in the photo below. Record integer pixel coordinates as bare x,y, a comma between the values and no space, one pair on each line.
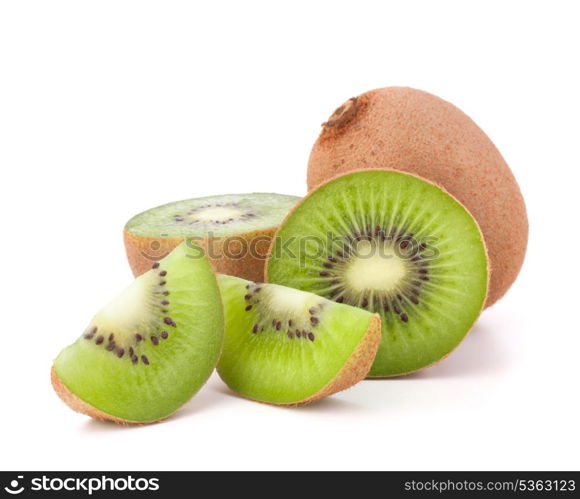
112,107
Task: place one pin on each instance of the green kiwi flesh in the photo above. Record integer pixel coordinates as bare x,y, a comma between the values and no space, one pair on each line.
221,215
393,244
287,347
150,350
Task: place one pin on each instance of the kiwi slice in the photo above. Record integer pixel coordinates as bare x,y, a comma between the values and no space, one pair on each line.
235,231
287,347
151,349
393,244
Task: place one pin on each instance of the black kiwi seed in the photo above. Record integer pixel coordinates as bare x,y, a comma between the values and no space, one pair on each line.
314,320
120,353
155,265
415,300
162,283
165,302
131,351
91,334
404,317
110,347
278,325
311,336
155,340
248,308
340,299
163,273
298,333
164,335
247,297
165,293
290,334
138,337
364,303
168,321
290,322
100,340
324,274
145,360
134,359
312,311
111,337
255,329
327,265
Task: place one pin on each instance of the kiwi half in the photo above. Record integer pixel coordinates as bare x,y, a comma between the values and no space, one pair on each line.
150,350
395,245
415,132
286,347
234,230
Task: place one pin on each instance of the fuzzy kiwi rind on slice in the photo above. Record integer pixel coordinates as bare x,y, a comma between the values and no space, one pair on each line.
286,347
149,350
393,244
235,230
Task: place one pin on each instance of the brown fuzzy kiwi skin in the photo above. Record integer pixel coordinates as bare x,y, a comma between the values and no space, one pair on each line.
489,273
80,406
413,131
250,266
358,365
354,370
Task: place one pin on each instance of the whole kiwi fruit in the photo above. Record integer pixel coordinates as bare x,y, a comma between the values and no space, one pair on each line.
416,132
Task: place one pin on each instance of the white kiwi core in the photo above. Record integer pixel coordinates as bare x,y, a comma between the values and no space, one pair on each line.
375,268
129,312
216,214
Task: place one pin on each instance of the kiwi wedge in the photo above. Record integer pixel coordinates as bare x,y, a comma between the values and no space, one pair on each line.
234,230
393,244
150,349
287,347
